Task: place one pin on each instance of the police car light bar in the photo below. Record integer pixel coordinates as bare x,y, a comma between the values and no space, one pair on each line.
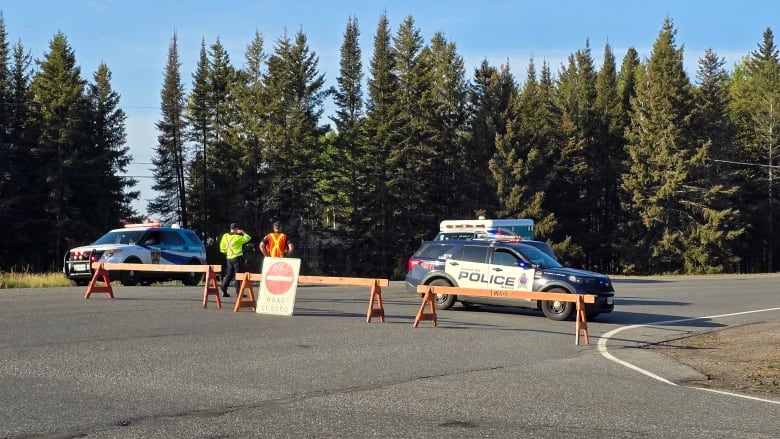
142,225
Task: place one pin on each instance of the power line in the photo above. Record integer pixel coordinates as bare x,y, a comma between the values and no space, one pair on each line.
746,164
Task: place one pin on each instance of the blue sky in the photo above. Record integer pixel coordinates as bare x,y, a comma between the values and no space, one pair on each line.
132,36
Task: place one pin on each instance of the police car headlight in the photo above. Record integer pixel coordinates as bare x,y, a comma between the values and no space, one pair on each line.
575,279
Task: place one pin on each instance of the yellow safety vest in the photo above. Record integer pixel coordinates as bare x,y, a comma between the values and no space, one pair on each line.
232,245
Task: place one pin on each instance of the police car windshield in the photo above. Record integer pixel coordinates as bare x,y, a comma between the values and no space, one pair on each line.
121,237
537,257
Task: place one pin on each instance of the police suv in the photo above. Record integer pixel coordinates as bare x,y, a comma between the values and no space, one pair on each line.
498,265
140,244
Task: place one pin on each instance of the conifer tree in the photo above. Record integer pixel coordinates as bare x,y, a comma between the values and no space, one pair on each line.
382,130
226,178
251,104
755,109
108,122
446,114
523,165
169,153
678,214
62,151
720,225
198,113
345,161
8,149
488,98
296,95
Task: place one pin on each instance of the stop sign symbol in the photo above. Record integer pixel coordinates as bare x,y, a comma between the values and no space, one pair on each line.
279,278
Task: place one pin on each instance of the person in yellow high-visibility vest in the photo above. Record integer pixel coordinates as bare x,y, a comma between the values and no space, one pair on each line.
276,244
232,246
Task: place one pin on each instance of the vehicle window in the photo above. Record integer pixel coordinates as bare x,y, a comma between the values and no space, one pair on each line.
435,251
171,238
472,253
192,236
120,237
504,258
153,238
537,256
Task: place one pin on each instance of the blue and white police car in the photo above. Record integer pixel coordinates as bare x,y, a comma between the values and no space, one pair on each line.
146,243
500,265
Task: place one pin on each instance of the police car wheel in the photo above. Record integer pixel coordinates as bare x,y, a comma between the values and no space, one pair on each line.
556,310
443,301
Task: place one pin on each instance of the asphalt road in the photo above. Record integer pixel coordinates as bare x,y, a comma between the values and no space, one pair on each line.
153,363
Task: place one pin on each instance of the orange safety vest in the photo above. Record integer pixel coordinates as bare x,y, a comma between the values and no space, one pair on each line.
278,244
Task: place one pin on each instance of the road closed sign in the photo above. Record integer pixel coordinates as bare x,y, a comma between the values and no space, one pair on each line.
277,289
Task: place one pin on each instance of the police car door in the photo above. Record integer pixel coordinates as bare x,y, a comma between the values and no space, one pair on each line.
510,272
468,266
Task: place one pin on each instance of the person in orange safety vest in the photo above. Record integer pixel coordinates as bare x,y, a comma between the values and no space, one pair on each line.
276,244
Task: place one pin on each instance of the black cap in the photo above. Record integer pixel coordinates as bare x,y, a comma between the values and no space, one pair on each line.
233,226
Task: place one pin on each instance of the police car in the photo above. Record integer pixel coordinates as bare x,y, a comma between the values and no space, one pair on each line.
141,244
502,265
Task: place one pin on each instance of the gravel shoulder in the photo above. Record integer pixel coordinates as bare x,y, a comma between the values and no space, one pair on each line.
743,359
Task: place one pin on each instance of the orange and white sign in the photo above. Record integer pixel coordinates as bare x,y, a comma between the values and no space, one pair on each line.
277,289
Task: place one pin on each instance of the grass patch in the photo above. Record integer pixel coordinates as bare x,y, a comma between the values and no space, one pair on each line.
24,279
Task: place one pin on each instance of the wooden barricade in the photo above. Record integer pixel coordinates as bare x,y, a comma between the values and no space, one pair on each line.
100,275
581,323
246,286
211,288
375,307
421,314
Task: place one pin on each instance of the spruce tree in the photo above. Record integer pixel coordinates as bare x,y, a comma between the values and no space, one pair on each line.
383,131
108,123
755,109
169,153
296,95
677,212
62,152
198,113
345,161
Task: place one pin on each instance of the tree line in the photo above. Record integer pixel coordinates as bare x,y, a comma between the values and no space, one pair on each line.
630,168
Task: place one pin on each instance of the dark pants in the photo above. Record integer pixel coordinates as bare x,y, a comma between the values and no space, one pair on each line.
233,267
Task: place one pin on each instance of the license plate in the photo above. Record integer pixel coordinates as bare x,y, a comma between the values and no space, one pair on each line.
80,267
610,300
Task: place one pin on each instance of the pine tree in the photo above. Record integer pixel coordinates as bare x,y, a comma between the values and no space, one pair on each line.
61,150
678,216
198,113
346,171
169,154
755,109
488,98
296,92
447,115
383,131
110,142
715,237
251,104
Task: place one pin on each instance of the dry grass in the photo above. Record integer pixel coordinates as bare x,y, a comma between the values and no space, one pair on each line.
25,279
743,358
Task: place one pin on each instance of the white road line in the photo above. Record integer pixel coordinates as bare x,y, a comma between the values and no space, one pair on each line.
602,347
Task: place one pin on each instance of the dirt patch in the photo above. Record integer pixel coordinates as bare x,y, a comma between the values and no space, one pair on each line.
744,359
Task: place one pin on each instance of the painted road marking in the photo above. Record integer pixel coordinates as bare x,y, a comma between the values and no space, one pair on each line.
602,347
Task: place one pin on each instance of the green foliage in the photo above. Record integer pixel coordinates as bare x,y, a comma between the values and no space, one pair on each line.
633,171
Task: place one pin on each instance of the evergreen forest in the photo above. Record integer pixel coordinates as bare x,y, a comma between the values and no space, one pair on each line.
627,166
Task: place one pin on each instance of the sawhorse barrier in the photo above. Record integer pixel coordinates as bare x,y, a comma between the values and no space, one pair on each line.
102,268
375,307
580,322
